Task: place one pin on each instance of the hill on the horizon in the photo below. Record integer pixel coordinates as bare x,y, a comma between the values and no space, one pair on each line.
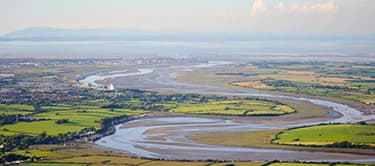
49,33
128,34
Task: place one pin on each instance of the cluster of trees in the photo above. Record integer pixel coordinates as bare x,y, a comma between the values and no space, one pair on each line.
343,144
23,141
62,121
7,81
237,74
13,157
148,101
298,85
153,97
107,126
108,122
272,65
141,106
7,119
152,101
362,81
354,72
26,96
347,144
11,119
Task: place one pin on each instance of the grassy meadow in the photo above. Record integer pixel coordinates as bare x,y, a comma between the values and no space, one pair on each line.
88,113
328,134
14,109
80,115
235,107
350,81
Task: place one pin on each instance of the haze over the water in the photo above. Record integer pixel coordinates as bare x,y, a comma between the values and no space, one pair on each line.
184,27
340,17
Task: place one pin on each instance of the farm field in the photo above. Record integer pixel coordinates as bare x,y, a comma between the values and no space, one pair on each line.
77,116
87,114
187,83
349,81
53,125
235,107
264,139
84,116
14,109
37,127
328,134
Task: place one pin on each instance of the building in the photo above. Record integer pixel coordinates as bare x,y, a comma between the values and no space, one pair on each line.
110,87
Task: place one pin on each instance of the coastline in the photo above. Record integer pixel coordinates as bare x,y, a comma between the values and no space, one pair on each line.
232,92
345,152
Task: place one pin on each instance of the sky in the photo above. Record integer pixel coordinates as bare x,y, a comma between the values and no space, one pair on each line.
302,17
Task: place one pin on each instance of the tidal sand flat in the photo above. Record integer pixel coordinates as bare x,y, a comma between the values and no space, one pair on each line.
166,138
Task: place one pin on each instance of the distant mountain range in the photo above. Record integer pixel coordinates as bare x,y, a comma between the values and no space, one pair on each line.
124,34
59,34
108,34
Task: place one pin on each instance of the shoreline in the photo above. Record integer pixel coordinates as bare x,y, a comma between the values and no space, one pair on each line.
360,110
345,152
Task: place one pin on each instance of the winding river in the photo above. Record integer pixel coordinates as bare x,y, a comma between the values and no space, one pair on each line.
92,79
166,138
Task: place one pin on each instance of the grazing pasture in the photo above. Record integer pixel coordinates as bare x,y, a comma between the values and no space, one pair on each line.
328,134
77,116
350,81
84,116
235,107
14,109
37,127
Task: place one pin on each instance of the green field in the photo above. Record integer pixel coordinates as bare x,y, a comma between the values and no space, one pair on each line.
235,107
350,81
89,113
79,117
87,107
37,127
328,134
13,109
52,164
84,116
34,152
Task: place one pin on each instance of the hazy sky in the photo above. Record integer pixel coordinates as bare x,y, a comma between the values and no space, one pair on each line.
349,17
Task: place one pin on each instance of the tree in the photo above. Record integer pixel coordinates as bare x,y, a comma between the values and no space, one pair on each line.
61,121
